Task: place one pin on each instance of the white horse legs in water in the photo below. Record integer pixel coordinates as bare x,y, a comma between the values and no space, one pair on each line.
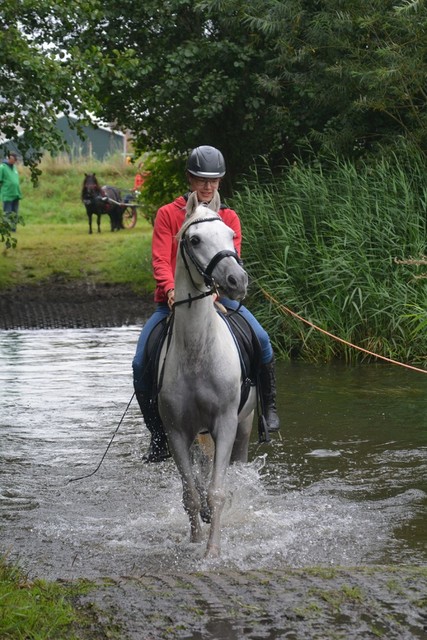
200,365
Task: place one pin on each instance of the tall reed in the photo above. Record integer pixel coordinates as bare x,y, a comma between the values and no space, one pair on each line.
323,240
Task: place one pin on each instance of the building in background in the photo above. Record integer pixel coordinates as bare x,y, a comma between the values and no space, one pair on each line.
97,142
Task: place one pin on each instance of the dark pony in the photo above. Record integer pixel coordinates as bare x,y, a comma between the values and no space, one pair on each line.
99,200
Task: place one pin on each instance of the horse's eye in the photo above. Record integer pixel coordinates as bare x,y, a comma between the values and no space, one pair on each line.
195,240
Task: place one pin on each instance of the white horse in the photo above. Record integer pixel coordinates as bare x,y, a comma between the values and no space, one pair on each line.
200,371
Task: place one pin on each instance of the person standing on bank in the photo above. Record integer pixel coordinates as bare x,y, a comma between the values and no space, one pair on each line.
10,189
205,168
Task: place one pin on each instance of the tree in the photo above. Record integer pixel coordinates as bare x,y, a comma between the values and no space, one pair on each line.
253,77
194,82
44,72
261,77
358,67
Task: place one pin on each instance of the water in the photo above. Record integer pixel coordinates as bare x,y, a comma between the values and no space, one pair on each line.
346,485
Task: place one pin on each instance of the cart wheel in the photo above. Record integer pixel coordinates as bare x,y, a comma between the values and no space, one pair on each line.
129,217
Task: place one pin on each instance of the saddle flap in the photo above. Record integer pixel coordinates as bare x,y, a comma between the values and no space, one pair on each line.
248,344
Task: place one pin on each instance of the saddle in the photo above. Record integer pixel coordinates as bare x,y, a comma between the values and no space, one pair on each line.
247,344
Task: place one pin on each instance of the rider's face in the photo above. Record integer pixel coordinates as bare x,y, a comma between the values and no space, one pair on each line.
205,187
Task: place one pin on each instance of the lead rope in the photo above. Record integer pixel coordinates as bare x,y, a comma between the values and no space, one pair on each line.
109,445
331,335
89,475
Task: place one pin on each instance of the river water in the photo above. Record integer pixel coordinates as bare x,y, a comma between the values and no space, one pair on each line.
345,484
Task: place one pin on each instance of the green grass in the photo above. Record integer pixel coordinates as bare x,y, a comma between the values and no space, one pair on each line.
40,610
54,239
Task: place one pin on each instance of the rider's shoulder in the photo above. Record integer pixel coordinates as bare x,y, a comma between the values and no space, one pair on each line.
227,213
170,207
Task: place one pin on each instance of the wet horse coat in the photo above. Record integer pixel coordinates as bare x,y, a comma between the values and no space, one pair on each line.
200,365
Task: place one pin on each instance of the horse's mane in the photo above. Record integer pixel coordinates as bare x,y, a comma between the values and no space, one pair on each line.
196,210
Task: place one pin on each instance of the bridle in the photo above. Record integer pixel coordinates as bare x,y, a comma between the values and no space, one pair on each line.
187,251
91,190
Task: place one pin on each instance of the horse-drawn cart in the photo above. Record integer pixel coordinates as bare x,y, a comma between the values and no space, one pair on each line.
120,205
129,215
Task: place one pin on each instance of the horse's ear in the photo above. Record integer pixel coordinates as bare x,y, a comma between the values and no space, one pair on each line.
192,204
215,203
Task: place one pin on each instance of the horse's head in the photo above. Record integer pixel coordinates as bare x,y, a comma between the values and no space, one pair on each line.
90,183
90,188
208,243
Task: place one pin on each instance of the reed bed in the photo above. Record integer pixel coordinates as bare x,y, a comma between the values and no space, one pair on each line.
343,247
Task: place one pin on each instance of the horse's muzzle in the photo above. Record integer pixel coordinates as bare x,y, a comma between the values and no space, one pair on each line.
235,284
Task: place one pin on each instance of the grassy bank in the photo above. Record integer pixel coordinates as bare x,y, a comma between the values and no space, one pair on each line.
343,248
40,610
54,240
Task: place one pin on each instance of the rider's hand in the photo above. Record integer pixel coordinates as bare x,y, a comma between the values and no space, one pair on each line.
171,297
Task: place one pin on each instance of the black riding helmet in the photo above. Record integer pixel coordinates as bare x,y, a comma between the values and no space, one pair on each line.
206,162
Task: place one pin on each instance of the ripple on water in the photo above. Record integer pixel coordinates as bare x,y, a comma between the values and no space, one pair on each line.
324,453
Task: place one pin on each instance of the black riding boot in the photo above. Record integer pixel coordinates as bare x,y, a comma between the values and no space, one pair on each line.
268,393
158,449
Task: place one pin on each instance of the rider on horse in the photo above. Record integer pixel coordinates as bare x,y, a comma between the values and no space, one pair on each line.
205,168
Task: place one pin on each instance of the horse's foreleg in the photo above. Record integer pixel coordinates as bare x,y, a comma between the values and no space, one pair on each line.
203,452
89,217
216,492
191,499
98,217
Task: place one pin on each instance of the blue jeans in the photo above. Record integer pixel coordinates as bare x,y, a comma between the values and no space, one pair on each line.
261,334
139,380
10,209
162,311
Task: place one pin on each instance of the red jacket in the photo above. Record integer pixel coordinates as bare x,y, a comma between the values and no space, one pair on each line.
168,221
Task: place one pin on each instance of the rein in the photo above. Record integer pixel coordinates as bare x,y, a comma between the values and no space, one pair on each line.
192,299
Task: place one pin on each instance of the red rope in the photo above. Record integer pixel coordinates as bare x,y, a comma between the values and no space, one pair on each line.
350,344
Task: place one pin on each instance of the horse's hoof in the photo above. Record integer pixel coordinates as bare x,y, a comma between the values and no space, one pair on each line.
212,552
205,514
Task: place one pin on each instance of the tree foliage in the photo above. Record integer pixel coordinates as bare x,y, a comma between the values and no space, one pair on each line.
255,78
263,77
194,82
44,72
358,67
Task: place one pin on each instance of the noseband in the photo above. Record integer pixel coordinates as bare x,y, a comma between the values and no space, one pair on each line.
186,250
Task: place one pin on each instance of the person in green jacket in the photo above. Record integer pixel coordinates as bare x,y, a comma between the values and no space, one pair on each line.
10,189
